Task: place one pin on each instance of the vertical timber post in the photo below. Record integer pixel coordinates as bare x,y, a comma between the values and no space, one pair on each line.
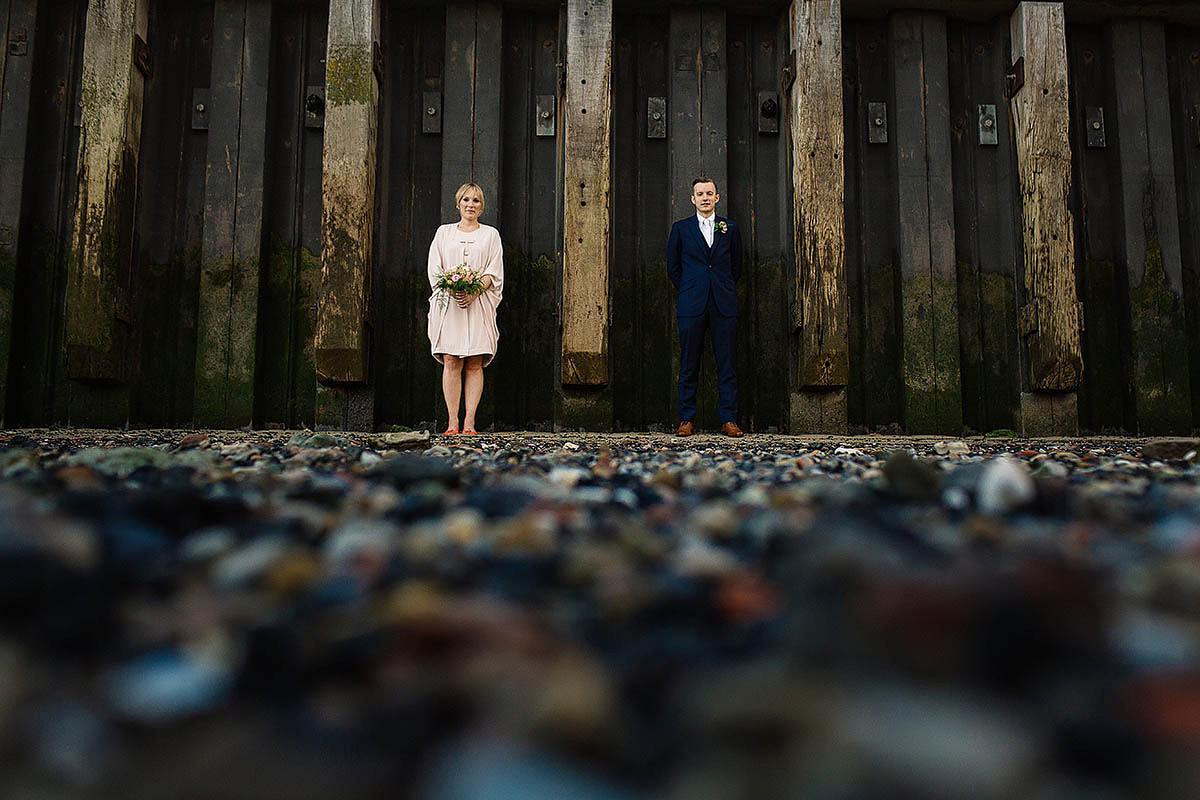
1148,219
1049,321
227,318
348,216
932,388
101,253
584,370
16,77
818,179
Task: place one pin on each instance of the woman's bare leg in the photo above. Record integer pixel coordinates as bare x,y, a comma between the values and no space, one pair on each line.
452,369
474,370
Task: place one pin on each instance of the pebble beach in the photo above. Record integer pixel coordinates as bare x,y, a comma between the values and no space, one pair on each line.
290,614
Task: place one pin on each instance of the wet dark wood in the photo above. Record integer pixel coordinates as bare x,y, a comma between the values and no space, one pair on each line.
16,80
285,375
406,378
643,318
924,201
1148,225
228,308
1183,62
987,229
170,230
875,388
1105,396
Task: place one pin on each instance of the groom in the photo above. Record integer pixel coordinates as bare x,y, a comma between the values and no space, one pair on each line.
704,259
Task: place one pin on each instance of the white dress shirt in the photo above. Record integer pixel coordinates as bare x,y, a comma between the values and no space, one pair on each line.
706,227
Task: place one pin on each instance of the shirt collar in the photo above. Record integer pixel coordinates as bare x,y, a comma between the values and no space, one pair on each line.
711,220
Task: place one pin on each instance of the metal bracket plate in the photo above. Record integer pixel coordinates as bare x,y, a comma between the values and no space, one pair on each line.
141,56
768,112
656,117
988,135
200,98
877,131
18,42
431,112
1094,119
314,107
1014,79
546,105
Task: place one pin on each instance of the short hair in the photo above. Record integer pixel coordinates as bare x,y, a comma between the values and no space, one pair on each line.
702,179
467,187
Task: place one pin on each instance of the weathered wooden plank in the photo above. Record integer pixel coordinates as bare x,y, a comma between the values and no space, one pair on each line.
1050,317
110,136
227,318
924,199
1184,60
1105,397
170,229
818,181
986,230
285,377
1149,226
348,192
714,102
871,238
16,81
586,202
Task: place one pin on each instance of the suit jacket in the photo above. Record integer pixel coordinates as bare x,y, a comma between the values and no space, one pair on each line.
694,268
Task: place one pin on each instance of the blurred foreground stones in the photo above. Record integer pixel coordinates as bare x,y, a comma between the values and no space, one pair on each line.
300,615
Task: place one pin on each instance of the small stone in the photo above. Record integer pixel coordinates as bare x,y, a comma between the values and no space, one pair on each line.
1006,485
955,447
194,440
1170,449
910,479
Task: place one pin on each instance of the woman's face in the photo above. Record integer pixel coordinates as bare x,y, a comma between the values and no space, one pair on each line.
469,206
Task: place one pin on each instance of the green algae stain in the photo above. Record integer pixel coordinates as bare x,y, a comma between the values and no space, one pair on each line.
932,389
349,74
1162,383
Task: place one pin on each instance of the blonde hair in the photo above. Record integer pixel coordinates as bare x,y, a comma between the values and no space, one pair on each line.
467,187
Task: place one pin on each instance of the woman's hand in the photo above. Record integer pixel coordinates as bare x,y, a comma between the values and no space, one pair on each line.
464,299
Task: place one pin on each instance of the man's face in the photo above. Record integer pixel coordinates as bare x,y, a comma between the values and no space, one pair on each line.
705,197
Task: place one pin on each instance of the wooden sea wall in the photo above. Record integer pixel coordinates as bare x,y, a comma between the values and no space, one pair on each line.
976,218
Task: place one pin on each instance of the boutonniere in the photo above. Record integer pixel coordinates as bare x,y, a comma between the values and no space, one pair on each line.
722,227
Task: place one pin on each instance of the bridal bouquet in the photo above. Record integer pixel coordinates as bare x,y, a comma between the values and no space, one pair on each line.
460,279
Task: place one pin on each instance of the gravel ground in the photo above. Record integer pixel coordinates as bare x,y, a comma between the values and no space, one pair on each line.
286,614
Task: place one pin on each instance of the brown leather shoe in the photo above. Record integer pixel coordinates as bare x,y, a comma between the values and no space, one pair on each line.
731,429
686,428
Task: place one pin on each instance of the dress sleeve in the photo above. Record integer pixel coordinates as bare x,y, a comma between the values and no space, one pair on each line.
494,265
435,258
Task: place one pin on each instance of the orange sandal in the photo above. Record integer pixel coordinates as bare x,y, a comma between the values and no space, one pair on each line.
450,432
470,432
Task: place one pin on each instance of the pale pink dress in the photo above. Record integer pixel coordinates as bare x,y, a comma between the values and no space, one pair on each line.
471,331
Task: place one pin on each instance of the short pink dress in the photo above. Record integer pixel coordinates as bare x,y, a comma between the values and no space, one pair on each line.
467,331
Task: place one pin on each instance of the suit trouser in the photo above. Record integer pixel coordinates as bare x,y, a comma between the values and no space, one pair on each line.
691,346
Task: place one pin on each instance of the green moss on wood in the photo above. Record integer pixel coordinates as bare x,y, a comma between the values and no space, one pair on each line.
583,410
226,343
932,389
330,407
8,275
1162,382
349,74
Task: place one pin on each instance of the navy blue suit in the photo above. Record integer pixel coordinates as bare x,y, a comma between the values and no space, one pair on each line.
705,281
